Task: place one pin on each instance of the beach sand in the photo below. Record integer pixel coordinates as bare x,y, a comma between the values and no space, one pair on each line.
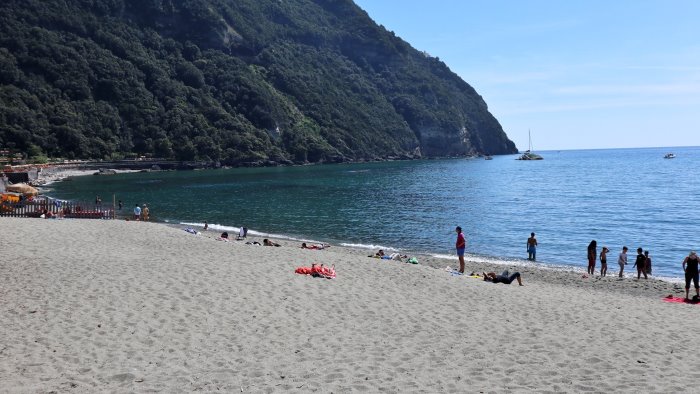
123,306
52,175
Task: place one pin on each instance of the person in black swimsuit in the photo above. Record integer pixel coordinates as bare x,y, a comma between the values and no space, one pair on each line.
604,261
690,266
592,254
504,278
641,264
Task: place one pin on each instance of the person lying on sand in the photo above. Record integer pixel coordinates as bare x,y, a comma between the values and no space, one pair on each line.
267,242
503,278
393,256
321,246
317,271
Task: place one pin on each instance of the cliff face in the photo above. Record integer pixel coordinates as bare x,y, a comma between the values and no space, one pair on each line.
239,81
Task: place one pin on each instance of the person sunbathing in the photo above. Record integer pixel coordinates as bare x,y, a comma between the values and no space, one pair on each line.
503,278
267,242
321,246
317,271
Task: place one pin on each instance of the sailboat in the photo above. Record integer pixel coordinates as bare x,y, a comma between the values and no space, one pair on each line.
529,155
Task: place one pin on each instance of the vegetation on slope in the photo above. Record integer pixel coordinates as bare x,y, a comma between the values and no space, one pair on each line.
235,81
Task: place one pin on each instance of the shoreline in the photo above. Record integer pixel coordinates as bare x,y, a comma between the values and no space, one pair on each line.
50,176
569,276
499,261
126,306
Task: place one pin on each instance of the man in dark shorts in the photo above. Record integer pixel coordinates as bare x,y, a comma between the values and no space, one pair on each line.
690,266
532,247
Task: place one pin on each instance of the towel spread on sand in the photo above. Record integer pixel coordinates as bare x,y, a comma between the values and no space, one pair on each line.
679,300
455,272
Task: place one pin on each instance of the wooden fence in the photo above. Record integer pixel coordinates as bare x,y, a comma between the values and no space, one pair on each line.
56,208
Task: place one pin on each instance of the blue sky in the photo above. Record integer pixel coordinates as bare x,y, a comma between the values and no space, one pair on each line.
579,74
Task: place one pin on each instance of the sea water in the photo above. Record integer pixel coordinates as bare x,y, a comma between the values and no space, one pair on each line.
618,197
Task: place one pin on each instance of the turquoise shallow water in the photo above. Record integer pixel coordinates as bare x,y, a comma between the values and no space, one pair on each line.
618,197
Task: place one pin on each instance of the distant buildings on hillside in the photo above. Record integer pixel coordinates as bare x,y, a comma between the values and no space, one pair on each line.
6,157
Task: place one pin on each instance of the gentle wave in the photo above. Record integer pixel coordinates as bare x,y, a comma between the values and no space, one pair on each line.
251,232
368,246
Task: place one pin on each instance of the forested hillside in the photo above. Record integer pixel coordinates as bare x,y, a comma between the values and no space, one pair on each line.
243,82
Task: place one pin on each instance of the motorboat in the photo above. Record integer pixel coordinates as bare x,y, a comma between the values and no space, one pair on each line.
669,156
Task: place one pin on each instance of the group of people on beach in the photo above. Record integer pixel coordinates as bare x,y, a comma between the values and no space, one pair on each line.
143,214
642,262
140,213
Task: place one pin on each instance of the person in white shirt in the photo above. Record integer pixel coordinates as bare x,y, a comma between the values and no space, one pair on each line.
622,260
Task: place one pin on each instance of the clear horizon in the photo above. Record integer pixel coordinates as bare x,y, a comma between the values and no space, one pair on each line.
579,75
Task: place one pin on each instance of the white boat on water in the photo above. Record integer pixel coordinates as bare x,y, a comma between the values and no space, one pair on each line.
529,154
669,156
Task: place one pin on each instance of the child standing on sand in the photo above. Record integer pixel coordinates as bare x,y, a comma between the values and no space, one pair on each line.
604,261
622,260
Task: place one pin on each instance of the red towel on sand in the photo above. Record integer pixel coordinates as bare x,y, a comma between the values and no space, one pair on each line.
679,300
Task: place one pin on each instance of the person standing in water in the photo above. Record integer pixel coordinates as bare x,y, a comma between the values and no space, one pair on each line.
592,256
604,261
461,245
622,260
690,266
641,264
532,247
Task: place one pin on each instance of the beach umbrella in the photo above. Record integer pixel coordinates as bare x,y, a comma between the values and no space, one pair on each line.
22,188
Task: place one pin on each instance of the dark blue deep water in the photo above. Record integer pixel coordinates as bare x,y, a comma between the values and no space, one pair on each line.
631,197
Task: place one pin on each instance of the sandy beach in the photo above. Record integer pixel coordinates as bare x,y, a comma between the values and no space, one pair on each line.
55,174
123,306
